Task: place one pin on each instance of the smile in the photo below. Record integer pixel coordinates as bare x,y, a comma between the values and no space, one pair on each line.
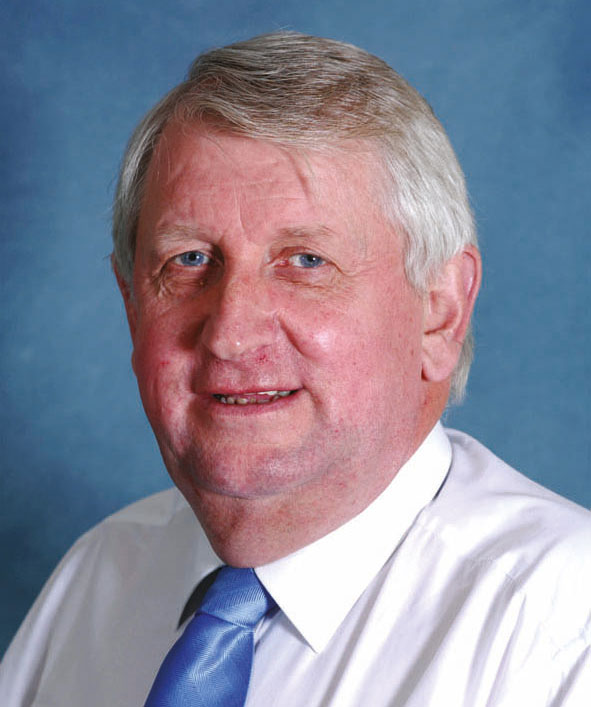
257,398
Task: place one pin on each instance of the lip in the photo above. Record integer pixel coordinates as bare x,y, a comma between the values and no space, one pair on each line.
237,389
215,406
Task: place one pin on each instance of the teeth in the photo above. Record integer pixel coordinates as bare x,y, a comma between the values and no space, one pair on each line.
271,396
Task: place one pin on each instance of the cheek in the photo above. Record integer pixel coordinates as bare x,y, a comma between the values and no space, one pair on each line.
367,353
370,328
322,341
163,332
151,353
316,332
336,352
161,372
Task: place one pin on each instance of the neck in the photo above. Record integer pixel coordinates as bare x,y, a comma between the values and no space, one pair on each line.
249,532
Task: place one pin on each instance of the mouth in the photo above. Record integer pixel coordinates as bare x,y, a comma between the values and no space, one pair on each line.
263,397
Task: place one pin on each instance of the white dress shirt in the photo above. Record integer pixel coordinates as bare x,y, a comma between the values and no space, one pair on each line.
463,584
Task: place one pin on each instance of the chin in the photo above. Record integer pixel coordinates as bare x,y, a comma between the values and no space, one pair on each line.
263,474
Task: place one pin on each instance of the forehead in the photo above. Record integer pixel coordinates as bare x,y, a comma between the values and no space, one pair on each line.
199,172
209,151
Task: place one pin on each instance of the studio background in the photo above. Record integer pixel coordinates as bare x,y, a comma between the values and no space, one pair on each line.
509,80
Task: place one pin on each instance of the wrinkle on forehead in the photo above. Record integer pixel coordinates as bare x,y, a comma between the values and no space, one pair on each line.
162,163
307,165
298,155
298,159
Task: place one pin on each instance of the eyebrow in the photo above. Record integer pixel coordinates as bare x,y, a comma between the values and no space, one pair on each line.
170,233
316,231
166,236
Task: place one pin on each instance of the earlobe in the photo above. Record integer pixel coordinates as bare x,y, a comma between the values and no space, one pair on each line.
447,311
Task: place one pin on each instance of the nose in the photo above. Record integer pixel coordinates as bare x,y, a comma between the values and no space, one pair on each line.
241,319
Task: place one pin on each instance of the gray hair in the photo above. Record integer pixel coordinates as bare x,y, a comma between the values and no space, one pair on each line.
311,92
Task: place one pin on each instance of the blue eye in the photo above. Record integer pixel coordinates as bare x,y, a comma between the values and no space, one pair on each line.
193,258
306,260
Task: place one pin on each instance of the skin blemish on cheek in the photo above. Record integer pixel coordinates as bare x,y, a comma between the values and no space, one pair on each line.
262,357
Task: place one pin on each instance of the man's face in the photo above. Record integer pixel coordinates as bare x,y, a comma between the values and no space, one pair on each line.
277,344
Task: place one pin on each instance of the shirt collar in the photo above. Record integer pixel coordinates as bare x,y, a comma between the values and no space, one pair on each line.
317,586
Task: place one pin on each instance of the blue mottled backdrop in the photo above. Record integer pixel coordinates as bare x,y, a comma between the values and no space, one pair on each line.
509,80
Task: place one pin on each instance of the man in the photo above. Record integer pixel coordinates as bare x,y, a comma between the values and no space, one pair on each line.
298,261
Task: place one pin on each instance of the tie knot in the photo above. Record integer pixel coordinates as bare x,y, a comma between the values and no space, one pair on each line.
238,597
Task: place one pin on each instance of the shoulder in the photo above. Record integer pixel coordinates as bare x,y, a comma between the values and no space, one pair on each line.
145,555
122,543
538,544
492,492
119,534
127,542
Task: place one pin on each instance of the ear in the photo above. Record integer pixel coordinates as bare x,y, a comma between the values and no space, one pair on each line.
447,310
128,300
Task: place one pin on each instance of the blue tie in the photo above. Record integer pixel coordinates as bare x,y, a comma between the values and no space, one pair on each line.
210,664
